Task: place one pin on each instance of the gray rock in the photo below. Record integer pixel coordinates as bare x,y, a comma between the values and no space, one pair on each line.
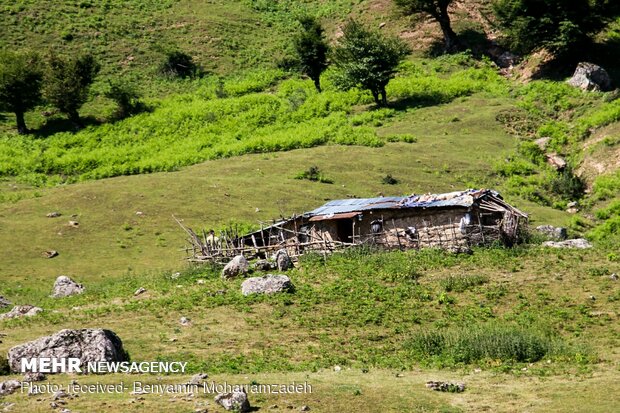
543,142
556,233
50,253
198,379
263,265
507,59
569,243
21,311
283,261
446,386
589,76
237,401
85,344
65,286
556,161
267,284
613,277
4,302
9,387
139,291
54,214
31,376
237,266
184,321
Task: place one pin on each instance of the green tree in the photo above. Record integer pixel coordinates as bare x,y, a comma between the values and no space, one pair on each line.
311,49
126,97
20,85
438,10
68,81
367,59
558,25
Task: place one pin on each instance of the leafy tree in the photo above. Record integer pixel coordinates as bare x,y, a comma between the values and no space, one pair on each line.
67,83
558,25
438,10
20,85
367,59
312,49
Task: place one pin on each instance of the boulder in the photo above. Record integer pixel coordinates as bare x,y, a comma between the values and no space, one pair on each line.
86,344
21,311
237,401
267,284
65,286
263,265
556,233
283,261
53,214
198,379
589,76
507,59
31,377
9,387
569,243
4,302
237,266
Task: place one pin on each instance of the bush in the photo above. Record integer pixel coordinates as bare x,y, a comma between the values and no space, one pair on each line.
567,185
178,64
314,174
476,343
460,283
389,180
126,97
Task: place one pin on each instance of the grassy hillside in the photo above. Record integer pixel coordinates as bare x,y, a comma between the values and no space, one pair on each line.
527,329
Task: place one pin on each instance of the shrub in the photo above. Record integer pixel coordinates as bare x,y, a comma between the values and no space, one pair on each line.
178,64
314,174
126,97
567,185
460,283
389,180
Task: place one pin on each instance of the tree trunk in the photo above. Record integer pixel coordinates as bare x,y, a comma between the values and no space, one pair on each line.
375,95
383,96
21,123
449,36
74,117
317,83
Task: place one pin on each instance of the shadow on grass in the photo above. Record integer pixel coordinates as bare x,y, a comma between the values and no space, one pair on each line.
57,125
476,41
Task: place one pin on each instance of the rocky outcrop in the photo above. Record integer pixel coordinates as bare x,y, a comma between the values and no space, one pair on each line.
21,311
569,243
86,344
237,266
65,286
268,284
589,76
556,233
237,401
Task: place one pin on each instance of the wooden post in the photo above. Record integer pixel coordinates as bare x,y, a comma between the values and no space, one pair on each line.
400,247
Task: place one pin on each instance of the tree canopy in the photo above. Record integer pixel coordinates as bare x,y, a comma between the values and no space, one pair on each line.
367,59
67,83
558,25
20,84
311,49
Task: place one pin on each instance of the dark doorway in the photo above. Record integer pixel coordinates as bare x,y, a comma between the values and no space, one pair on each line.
345,230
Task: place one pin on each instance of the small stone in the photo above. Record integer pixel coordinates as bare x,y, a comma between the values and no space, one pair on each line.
22,311
74,224
60,394
337,368
237,266
50,253
4,302
54,214
139,213
184,321
304,408
382,25
65,286
139,291
613,277
9,387
32,376
53,405
200,282
446,386
198,378
175,275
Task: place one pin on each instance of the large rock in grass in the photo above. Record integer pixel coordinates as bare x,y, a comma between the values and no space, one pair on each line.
589,76
65,286
268,284
283,261
237,266
9,387
569,243
236,401
556,233
21,311
88,345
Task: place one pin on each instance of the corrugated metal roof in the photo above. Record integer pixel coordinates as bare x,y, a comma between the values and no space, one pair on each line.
340,206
